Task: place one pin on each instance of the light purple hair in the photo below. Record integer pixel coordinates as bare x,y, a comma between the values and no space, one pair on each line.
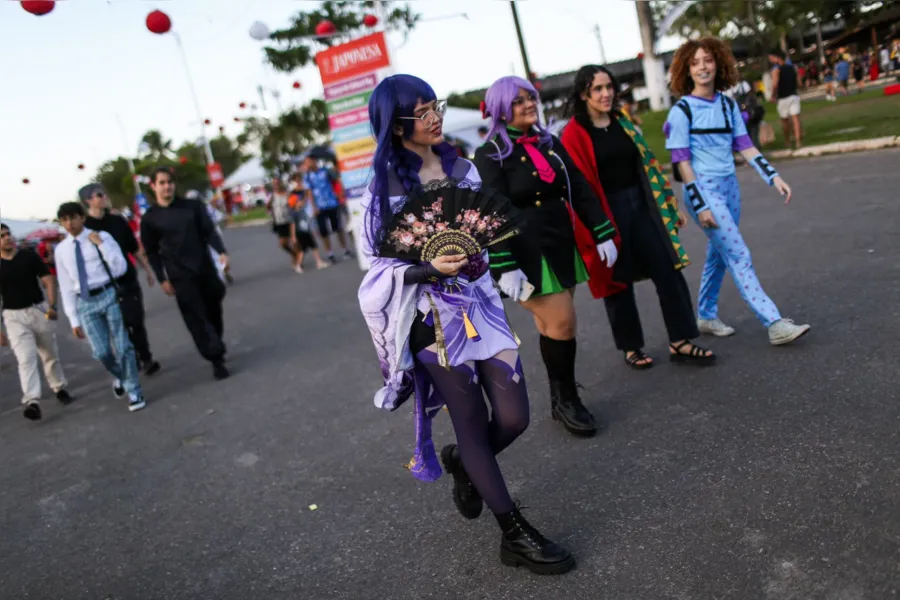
498,106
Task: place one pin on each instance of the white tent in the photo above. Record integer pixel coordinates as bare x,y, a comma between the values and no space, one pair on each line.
20,229
463,124
250,173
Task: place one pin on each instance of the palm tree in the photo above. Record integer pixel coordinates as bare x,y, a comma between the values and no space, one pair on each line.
157,147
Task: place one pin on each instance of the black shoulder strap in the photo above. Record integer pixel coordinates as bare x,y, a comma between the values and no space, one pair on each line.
686,109
106,268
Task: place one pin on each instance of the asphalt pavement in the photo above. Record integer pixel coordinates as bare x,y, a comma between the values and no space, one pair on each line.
774,475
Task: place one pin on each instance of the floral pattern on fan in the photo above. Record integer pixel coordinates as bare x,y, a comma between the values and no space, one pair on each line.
418,232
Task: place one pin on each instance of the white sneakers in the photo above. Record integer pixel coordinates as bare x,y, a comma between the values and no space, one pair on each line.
785,331
714,327
780,332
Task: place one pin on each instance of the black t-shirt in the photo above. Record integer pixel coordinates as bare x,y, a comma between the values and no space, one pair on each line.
787,81
19,287
118,228
617,157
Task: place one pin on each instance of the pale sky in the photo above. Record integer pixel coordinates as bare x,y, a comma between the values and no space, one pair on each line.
67,74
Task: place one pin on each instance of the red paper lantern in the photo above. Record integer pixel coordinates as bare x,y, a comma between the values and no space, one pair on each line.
207,122
640,56
183,160
81,166
297,85
370,20
243,105
159,22
326,27
221,129
237,119
26,181
38,7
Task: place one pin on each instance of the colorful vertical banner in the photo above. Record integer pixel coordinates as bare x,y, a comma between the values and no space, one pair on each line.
349,74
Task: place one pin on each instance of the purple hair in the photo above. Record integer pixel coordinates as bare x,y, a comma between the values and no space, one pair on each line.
498,106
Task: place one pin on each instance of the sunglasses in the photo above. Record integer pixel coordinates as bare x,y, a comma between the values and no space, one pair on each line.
99,195
4,235
432,117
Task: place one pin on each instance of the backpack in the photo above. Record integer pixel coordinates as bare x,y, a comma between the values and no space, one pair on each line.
749,103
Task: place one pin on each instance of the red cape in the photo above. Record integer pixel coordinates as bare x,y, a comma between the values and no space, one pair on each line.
577,142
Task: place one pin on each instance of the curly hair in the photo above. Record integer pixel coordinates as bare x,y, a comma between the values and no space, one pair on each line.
726,69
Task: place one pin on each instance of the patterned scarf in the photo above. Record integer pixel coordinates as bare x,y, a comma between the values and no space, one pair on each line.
659,185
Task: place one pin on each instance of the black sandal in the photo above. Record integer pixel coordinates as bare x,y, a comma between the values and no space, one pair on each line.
634,361
697,355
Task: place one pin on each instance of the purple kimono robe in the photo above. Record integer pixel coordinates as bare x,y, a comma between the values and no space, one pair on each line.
390,307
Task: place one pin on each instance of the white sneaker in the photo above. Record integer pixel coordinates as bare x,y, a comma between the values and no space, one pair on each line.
298,270
714,327
784,332
136,402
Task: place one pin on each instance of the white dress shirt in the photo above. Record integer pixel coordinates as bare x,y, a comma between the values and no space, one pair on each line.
67,269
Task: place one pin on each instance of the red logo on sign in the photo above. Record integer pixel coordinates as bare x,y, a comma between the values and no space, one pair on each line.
216,177
354,58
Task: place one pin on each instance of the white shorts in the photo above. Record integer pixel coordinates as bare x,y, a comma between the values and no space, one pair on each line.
789,107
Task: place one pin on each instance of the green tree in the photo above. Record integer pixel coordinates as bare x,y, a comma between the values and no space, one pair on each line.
288,135
115,176
297,44
158,147
467,99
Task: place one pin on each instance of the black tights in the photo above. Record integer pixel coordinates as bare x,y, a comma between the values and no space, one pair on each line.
480,439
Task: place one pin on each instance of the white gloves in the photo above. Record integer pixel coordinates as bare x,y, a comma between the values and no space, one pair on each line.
608,253
511,283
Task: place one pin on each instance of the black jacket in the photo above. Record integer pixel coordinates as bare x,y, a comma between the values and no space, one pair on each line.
176,239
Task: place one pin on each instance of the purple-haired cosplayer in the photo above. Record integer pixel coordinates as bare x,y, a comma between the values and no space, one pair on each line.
524,162
416,320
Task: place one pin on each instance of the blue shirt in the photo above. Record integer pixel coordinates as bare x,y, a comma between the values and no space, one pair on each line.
842,70
319,182
707,140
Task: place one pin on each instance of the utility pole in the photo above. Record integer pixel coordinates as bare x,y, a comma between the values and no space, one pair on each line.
515,14
654,69
600,41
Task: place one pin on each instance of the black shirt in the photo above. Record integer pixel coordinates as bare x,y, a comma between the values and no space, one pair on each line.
19,287
787,81
176,237
617,157
119,229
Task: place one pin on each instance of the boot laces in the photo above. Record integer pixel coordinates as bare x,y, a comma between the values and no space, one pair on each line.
528,530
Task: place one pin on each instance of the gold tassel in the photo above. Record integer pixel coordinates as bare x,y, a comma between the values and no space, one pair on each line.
471,332
439,339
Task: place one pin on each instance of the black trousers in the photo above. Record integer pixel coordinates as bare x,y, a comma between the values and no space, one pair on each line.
644,251
131,301
199,299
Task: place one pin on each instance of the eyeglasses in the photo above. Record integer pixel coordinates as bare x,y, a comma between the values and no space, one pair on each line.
520,100
432,117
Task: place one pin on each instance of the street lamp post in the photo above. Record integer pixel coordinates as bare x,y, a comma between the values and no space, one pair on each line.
515,13
187,69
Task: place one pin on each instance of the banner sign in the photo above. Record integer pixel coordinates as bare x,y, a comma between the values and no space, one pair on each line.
349,73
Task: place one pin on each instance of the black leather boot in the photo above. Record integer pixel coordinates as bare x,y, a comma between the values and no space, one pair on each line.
567,408
465,496
523,545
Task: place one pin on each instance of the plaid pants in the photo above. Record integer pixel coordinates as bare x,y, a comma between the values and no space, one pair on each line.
101,320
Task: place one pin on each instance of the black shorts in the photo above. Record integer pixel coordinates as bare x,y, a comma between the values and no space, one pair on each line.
329,220
305,241
282,231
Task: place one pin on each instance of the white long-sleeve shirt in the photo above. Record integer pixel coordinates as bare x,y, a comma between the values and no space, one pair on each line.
67,269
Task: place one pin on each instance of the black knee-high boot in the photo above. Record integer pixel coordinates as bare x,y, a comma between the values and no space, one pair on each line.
523,545
566,406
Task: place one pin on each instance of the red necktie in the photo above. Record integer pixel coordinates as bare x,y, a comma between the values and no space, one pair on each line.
545,171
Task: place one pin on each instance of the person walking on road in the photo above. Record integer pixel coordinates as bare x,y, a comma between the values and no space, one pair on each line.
326,206
175,233
30,322
282,218
430,358
88,264
525,163
131,296
621,169
702,131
